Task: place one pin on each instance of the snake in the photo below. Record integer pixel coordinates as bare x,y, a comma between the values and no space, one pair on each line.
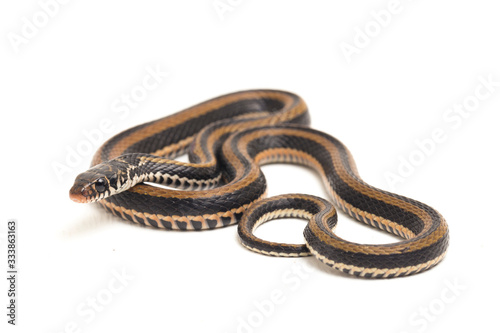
136,176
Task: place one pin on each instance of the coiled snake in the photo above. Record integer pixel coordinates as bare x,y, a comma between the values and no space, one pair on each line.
226,139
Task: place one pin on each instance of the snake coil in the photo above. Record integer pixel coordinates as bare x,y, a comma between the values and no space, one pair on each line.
227,139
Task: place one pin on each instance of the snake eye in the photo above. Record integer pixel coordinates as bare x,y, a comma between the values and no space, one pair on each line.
100,185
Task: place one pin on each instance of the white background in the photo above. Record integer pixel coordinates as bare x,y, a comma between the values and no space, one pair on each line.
67,76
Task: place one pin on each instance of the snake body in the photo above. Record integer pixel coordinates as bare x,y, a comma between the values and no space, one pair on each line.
227,139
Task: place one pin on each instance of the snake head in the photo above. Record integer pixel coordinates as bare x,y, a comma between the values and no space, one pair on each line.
99,182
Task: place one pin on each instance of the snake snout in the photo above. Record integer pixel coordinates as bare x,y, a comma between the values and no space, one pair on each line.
78,193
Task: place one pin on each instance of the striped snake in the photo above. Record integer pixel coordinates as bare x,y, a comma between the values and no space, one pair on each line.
227,139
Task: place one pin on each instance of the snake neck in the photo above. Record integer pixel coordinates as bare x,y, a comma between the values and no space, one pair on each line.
133,169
